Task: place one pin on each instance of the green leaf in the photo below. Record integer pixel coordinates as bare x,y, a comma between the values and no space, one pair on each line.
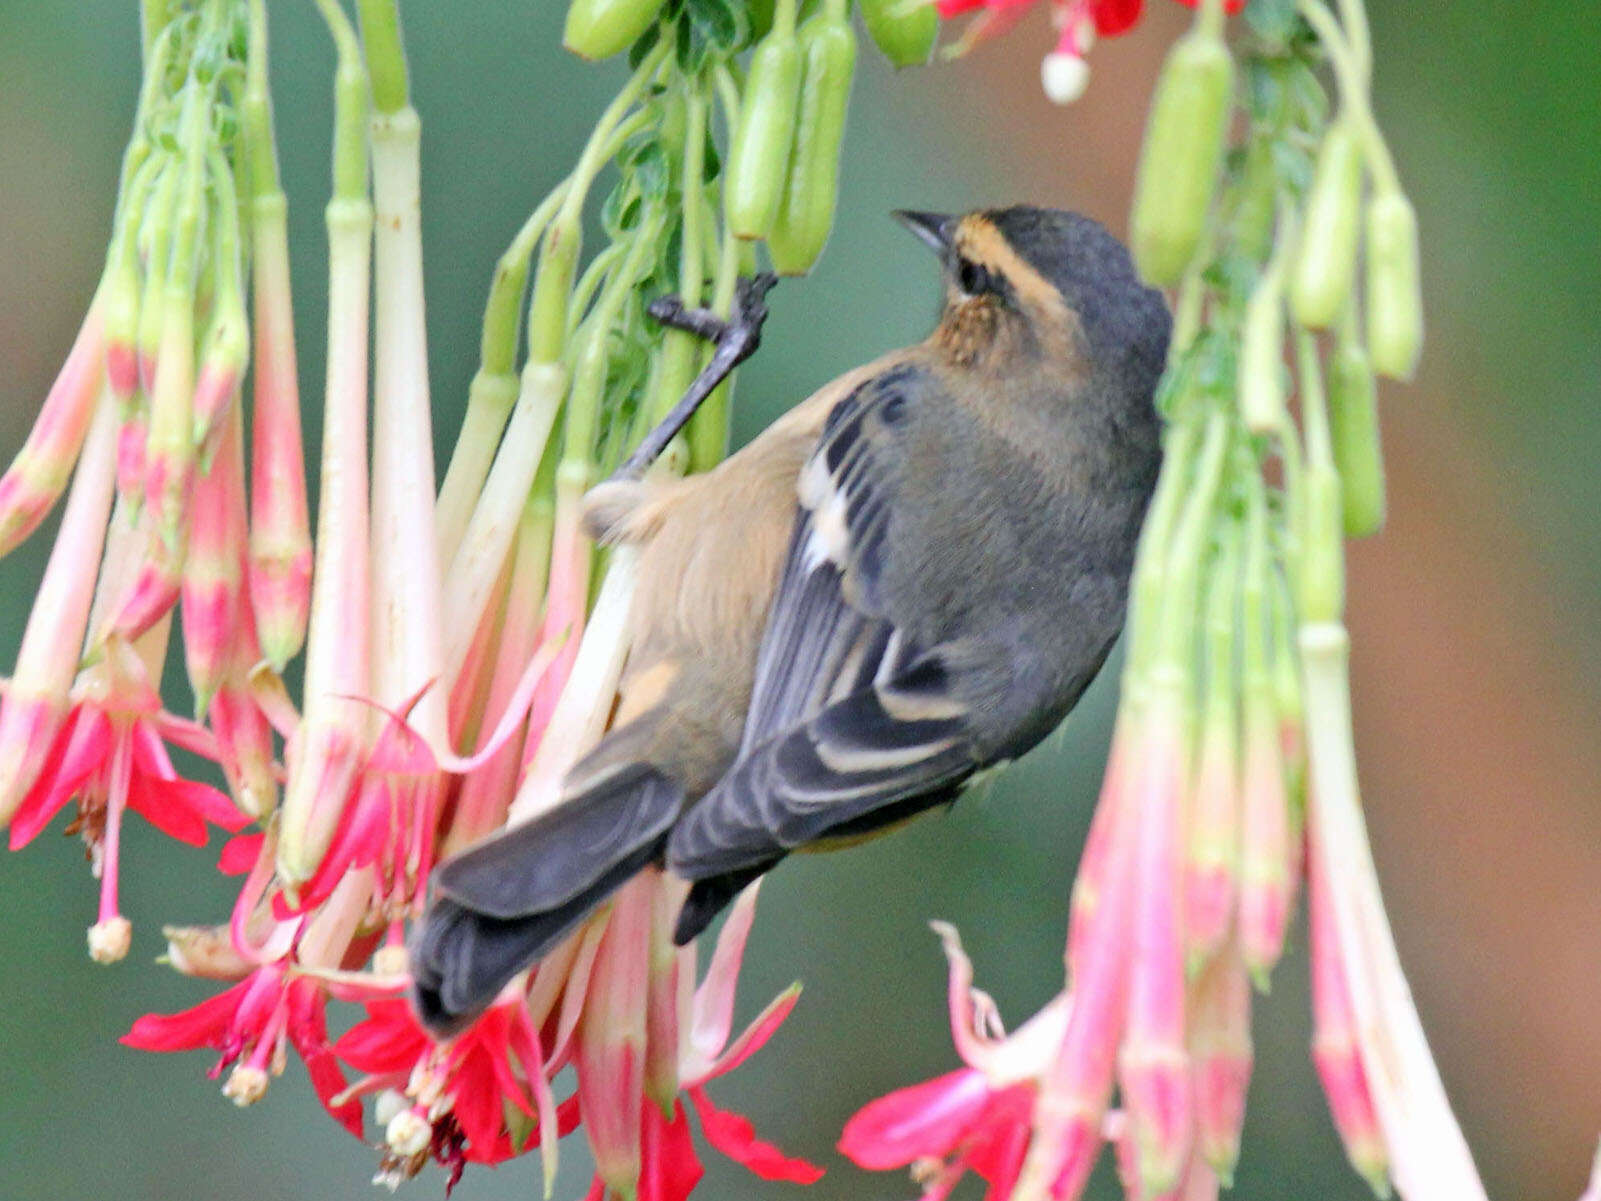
722,24
1272,20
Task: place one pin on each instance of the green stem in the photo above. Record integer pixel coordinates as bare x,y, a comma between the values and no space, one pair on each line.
386,55
1150,565
1187,550
784,14
680,350
708,431
1353,92
547,318
154,19
589,369
255,107
350,106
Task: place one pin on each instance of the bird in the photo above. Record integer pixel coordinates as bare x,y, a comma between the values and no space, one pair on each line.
907,579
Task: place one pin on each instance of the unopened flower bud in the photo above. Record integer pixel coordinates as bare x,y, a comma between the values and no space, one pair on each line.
1266,853
597,29
39,473
758,160
109,940
1261,379
1181,156
1320,281
828,51
1335,1050
205,952
1220,1046
1354,431
121,304
905,33
1394,295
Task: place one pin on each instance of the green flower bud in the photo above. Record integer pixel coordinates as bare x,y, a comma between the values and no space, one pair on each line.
601,28
828,48
905,35
1320,281
758,161
1182,155
1261,378
1394,296
1354,432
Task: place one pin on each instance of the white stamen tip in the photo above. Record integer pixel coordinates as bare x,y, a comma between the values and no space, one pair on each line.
246,1085
1064,77
389,960
109,940
409,1133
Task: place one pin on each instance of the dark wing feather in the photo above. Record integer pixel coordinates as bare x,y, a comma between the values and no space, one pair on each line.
562,854
849,718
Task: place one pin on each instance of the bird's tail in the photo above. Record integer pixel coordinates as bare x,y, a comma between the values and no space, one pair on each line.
502,905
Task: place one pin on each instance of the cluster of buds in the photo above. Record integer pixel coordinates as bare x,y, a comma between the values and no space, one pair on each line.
449,680
1231,778
148,408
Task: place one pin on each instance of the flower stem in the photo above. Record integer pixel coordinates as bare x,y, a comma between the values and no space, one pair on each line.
386,55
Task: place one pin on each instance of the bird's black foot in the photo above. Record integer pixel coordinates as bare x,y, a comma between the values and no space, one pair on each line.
735,339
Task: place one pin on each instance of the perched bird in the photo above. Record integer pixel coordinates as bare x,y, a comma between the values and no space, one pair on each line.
909,577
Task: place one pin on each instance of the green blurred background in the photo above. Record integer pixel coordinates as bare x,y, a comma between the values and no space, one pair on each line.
1475,614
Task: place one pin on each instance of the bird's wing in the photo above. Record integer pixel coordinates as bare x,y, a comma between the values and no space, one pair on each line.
851,723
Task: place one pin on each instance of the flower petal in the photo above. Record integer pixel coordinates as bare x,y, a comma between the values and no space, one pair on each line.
670,1169
736,1138
922,1121
755,1036
239,854
388,1040
205,1025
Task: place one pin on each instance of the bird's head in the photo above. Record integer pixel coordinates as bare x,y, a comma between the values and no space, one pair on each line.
1034,286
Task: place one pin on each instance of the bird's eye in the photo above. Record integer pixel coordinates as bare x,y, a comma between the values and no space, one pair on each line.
973,278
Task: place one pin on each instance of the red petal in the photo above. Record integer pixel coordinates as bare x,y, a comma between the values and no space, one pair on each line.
669,1169
308,1030
239,854
156,801
78,749
755,1035
736,1138
388,1040
999,1158
206,1025
1113,17
927,1119
478,1109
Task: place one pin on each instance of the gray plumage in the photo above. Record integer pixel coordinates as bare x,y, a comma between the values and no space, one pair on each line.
915,575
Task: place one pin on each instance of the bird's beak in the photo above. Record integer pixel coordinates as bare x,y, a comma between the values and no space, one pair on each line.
933,230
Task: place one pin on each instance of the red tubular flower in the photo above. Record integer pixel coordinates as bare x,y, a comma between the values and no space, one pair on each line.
1064,72
979,1118
252,1022
110,756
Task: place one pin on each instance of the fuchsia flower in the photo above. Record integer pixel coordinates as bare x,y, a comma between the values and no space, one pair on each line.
250,1025
607,1001
978,1118
109,756
1064,72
